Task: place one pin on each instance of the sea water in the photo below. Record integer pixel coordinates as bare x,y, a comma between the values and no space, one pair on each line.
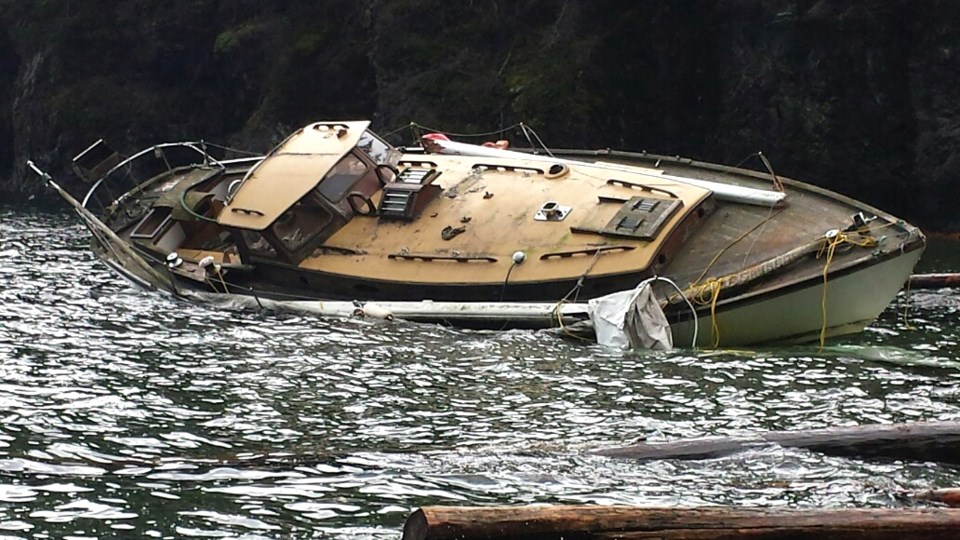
127,414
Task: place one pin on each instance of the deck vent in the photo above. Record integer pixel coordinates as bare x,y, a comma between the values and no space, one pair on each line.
557,170
640,218
407,196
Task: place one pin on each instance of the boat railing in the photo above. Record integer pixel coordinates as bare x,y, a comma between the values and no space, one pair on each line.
132,175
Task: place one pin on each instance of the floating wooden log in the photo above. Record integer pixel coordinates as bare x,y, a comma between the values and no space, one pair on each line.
949,497
934,281
623,522
915,441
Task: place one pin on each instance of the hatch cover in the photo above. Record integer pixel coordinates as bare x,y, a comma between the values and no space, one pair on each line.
641,217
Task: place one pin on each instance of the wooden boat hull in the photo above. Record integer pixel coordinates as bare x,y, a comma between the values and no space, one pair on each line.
319,218
852,301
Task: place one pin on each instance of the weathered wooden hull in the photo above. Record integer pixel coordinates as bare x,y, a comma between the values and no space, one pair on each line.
818,265
848,302
854,299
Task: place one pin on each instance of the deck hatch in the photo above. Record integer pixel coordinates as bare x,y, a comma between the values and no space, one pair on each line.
152,223
640,218
289,173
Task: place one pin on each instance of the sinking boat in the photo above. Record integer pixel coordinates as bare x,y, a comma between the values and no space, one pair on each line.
335,220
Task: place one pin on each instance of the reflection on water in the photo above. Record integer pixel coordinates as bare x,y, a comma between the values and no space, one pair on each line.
131,414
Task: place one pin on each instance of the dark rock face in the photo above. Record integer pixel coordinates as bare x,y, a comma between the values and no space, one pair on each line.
854,96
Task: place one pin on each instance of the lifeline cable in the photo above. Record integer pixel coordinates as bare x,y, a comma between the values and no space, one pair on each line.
527,128
452,134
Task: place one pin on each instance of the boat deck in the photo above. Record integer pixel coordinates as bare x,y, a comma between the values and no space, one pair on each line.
738,236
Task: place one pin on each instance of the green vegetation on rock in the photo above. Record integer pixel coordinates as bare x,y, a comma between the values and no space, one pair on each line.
855,97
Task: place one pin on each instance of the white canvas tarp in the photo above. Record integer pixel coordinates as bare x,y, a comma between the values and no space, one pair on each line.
631,319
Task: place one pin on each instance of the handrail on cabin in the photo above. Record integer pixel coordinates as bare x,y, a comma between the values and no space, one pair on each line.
157,151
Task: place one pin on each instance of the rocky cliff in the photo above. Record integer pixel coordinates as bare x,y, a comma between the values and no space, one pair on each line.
855,96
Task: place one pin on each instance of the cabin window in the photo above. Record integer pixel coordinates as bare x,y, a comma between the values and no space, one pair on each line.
375,147
300,224
258,245
342,177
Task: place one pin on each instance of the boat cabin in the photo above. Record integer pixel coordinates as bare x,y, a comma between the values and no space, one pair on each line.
306,189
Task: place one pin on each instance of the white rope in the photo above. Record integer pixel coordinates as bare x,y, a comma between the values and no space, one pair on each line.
693,310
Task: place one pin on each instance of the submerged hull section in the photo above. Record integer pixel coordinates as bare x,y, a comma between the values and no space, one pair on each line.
748,252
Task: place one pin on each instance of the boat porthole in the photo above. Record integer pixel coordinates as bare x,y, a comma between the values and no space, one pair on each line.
701,212
556,171
661,259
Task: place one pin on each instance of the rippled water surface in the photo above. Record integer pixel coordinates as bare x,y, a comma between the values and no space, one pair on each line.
127,414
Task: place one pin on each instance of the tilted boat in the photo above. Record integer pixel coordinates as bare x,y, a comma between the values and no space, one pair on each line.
337,220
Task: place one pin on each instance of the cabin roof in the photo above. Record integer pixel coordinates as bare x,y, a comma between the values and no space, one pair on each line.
289,172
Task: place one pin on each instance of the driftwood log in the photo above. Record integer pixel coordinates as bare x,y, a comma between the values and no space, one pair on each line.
934,281
949,497
918,441
629,523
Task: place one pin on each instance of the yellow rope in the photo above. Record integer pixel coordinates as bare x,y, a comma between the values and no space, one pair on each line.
830,246
906,307
210,283
719,254
834,239
220,275
713,285
707,293
559,313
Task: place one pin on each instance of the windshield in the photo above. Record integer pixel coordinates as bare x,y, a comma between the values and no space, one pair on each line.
375,147
342,177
